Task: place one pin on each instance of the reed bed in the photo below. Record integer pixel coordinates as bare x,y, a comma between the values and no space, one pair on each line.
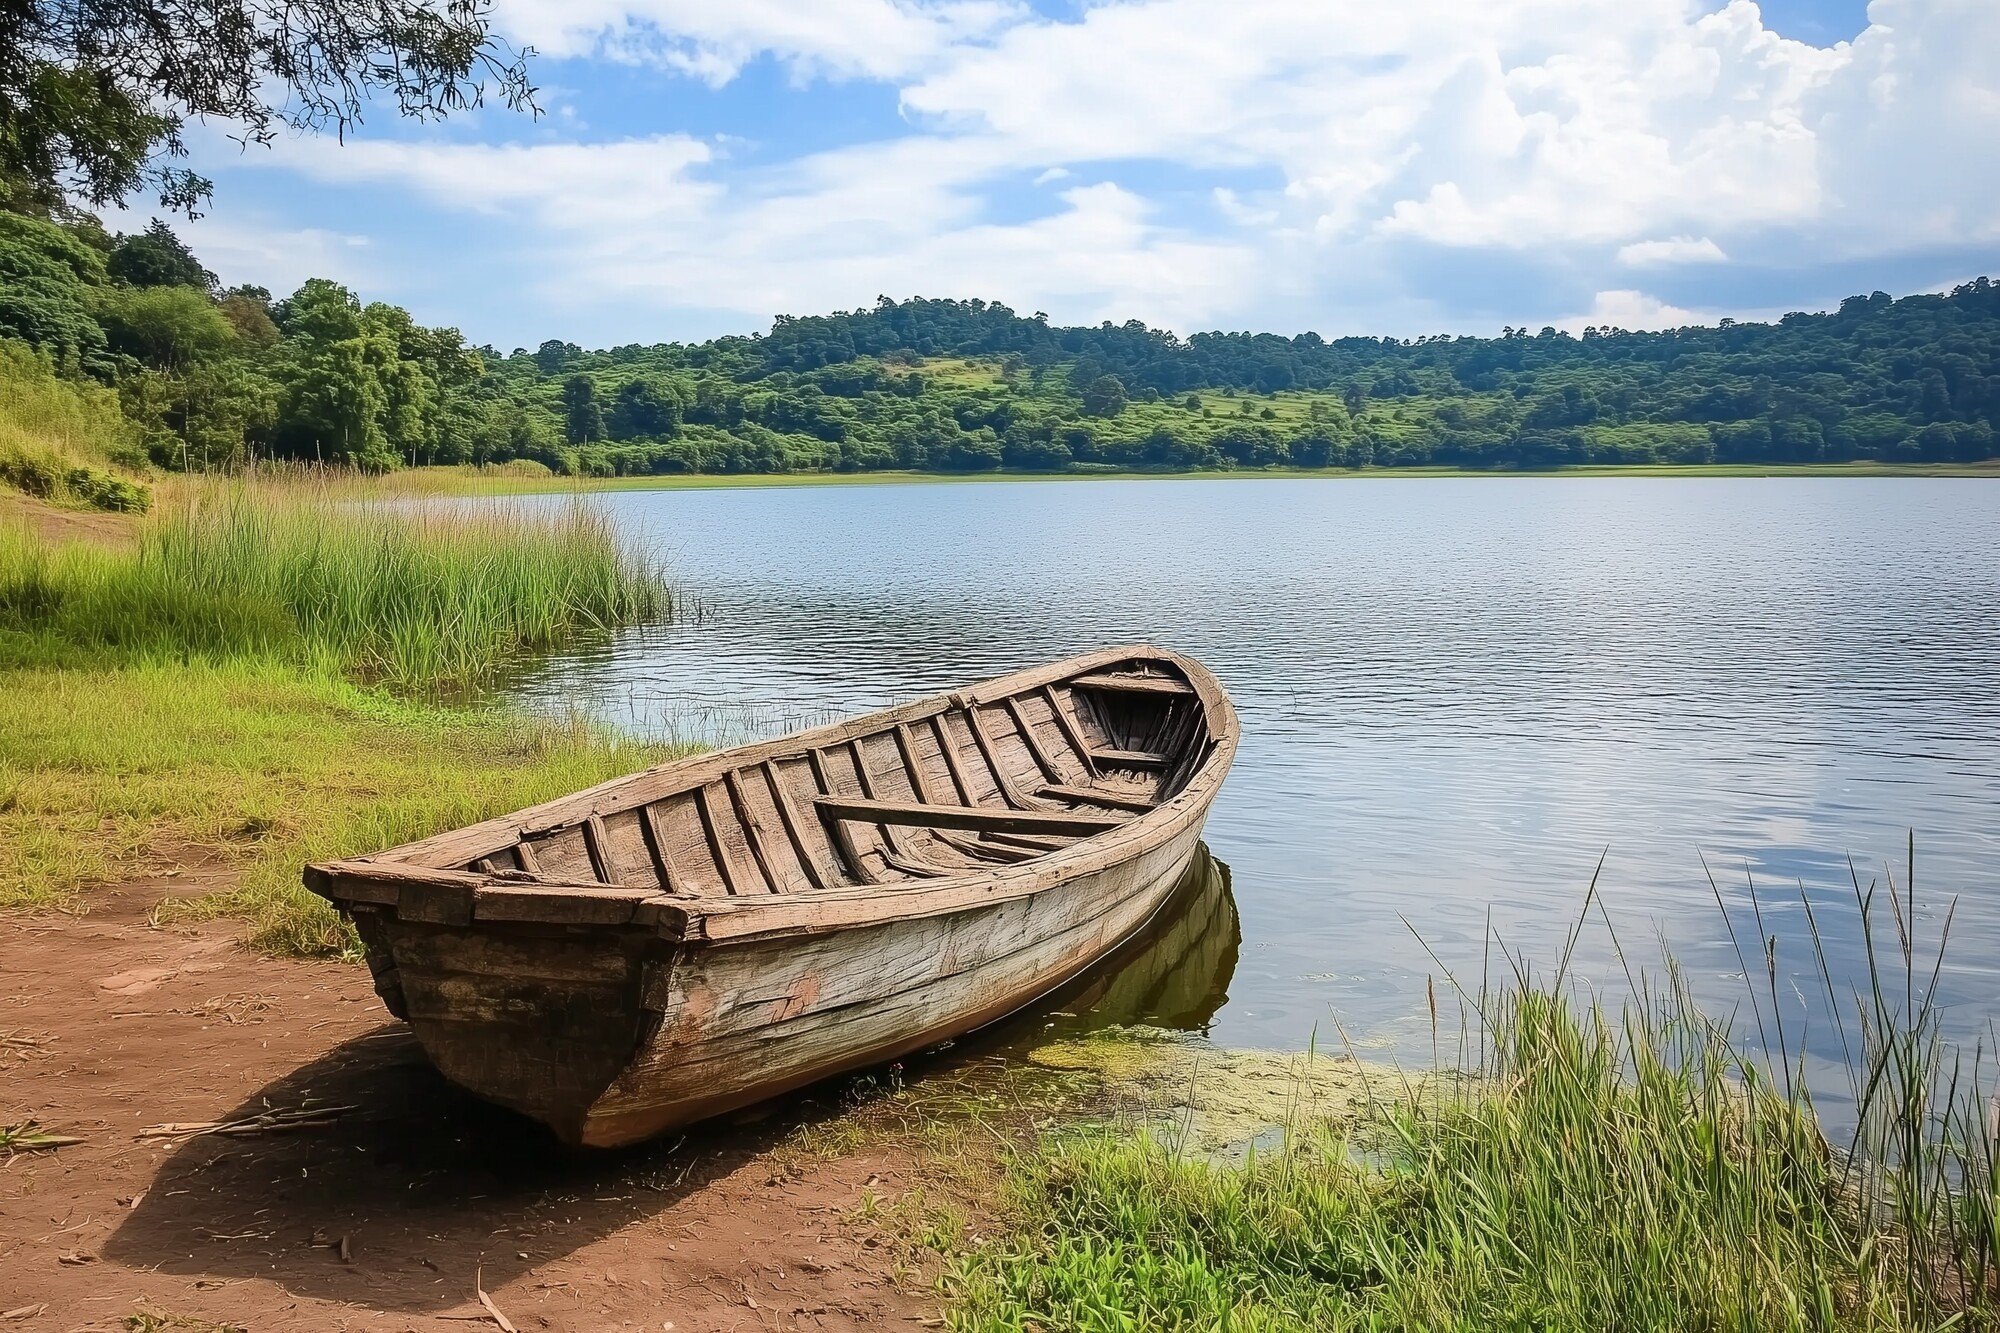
1637,1168
417,600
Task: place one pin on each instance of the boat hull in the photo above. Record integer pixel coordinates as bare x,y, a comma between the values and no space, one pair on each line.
610,1042
965,856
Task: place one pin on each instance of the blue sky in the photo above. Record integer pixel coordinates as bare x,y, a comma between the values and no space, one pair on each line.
1340,165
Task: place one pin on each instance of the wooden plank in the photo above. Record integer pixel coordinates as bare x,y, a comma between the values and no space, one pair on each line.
526,856
987,851
896,852
906,745
567,907
1069,730
1190,753
1035,842
1001,779
596,845
459,846
788,814
973,818
656,847
1132,758
752,832
1118,681
950,753
723,862
1035,751
1098,796
843,841
911,865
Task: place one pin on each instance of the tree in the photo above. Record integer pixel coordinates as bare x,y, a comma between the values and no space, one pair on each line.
168,328
644,409
335,404
583,419
47,279
157,258
250,317
320,311
94,93
1104,396
553,355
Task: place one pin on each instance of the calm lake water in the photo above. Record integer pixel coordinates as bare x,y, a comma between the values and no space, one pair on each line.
1457,695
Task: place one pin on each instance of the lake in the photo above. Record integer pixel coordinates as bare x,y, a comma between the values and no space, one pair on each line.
1457,695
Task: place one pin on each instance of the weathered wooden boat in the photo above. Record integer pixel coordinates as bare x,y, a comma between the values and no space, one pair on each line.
725,928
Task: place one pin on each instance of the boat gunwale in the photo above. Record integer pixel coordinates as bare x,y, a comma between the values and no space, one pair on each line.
348,882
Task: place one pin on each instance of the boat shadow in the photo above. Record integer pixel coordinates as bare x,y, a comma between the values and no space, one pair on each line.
427,1184
424,1183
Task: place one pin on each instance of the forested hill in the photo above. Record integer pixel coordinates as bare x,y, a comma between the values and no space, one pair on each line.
213,376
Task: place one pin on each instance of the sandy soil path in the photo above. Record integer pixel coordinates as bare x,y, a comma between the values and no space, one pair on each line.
378,1217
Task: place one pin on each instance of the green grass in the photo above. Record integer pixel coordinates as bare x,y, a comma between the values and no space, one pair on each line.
468,481
1631,1170
419,601
266,677
110,770
59,439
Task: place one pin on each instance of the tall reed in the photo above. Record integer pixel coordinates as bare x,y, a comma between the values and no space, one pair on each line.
1649,1167
418,600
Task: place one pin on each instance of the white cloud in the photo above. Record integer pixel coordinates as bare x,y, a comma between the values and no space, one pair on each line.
1674,250
627,183
711,40
264,252
1339,153
1627,309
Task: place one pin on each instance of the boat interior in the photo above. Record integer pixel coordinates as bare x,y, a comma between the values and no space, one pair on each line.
962,785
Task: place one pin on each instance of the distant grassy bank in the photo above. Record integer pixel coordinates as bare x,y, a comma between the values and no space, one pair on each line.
501,481
262,676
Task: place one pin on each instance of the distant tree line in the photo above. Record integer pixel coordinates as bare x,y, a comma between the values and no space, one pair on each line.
214,377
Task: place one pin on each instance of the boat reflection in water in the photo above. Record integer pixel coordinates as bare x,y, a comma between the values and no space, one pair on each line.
1174,973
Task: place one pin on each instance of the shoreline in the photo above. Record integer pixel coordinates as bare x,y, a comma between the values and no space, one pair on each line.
455,480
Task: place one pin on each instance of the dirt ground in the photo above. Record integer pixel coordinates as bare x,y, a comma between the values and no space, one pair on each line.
388,1215
54,523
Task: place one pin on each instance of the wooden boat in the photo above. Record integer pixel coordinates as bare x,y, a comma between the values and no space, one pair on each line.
721,929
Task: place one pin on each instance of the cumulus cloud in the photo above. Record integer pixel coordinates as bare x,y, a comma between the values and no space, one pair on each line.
711,40
1632,310
1360,166
1674,250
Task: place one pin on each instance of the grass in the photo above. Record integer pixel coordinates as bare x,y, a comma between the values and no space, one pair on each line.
263,678
59,439
1638,1169
445,481
110,770
418,601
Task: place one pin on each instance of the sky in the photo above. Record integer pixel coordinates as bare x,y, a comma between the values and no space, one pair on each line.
1399,167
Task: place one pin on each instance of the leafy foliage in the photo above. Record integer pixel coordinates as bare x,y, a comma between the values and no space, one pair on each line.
958,386
93,93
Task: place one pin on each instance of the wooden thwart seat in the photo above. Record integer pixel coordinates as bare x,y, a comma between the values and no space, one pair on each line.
1130,683
972,818
1110,800
1132,758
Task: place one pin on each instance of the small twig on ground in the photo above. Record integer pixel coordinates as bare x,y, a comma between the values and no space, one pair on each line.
479,1289
267,1122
